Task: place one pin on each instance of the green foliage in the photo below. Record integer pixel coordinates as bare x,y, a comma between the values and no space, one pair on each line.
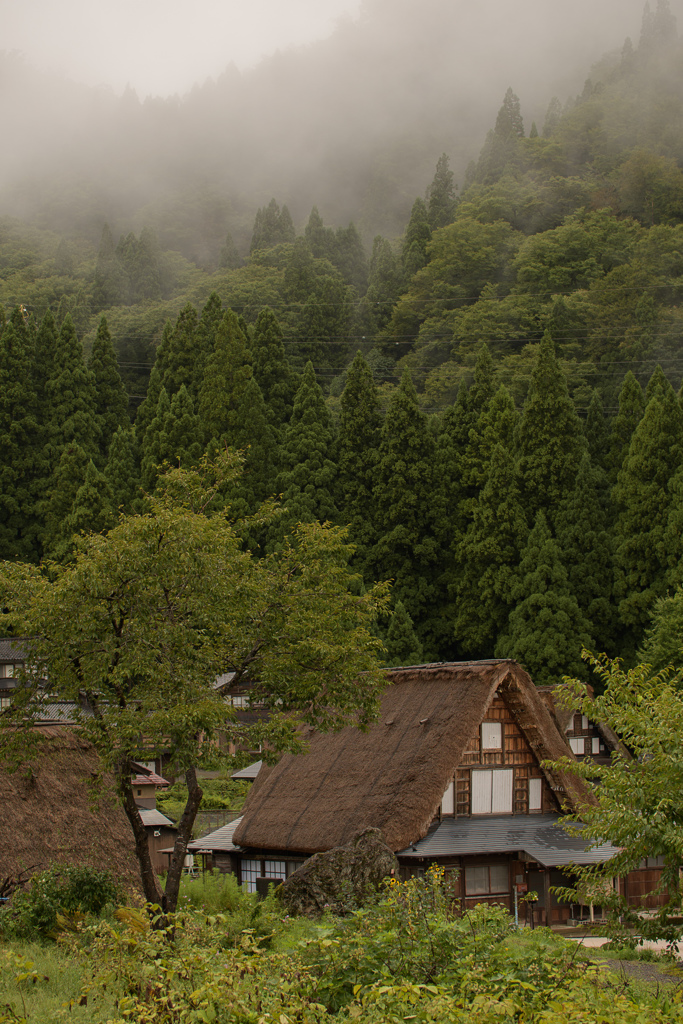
635,800
223,793
33,911
111,400
549,440
148,615
546,629
644,496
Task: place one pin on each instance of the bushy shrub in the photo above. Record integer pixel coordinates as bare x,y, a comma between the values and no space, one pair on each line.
32,912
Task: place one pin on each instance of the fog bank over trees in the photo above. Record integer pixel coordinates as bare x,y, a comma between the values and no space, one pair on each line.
353,124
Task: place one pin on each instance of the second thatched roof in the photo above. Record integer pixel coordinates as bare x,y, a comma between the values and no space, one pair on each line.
394,775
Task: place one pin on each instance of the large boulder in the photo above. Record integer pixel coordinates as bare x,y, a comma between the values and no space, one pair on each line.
340,879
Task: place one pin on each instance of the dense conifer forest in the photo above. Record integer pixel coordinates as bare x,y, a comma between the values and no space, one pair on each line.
489,399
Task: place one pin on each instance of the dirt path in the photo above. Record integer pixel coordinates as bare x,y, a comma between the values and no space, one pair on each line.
642,971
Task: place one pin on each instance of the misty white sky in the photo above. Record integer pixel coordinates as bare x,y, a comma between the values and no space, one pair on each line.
160,46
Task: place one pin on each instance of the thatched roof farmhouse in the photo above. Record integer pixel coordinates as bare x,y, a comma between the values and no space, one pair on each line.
452,773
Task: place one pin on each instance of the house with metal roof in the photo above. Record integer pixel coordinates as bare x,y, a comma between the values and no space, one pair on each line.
454,772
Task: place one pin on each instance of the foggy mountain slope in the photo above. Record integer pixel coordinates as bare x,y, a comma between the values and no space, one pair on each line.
353,124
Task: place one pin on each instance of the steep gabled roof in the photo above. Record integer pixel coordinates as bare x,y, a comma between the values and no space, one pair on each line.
394,775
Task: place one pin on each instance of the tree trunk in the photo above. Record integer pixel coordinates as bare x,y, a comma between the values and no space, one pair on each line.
150,882
185,826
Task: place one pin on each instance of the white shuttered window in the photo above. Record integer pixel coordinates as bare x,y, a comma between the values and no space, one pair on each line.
492,791
448,800
535,792
596,744
491,736
577,744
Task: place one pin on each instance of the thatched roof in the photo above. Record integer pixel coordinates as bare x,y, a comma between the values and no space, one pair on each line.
563,713
393,776
48,817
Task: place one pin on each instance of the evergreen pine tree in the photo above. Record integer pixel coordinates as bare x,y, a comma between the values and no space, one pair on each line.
631,408
111,400
68,479
226,375
585,540
70,393
229,258
643,495
441,195
351,259
550,441
178,358
383,287
205,339
402,644
110,286
20,444
358,448
271,368
546,629
509,123
405,550
174,436
121,470
498,424
321,240
596,432
93,507
415,241
308,477
255,436
44,362
486,559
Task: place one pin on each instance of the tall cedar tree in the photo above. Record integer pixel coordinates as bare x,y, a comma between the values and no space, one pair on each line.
111,400
308,477
20,444
583,533
174,436
271,368
402,644
205,338
226,375
498,424
358,444
259,442
384,285
68,479
546,629
550,440
631,409
472,409
418,235
121,471
110,286
272,226
179,359
486,560
643,495
351,259
460,455
405,550
45,347
596,432
176,363
70,392
92,510
441,195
